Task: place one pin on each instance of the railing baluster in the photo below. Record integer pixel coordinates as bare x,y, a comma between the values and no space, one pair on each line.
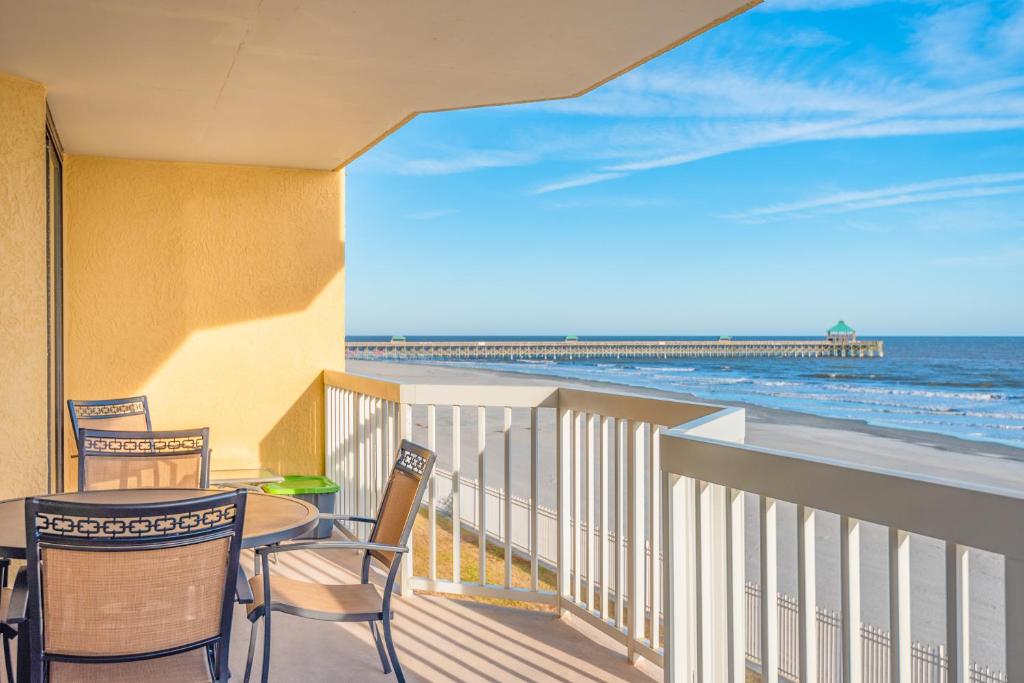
350,452
849,531
432,496
378,451
577,532
507,432
602,543
654,530
407,563
807,598
735,549
360,457
958,620
481,490
590,456
899,606
382,473
562,474
1013,578
457,494
677,595
534,494
620,523
634,506
392,446
702,565
769,593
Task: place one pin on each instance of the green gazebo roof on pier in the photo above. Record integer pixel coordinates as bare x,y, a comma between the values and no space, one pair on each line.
841,328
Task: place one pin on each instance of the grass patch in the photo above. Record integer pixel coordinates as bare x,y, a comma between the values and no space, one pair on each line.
470,561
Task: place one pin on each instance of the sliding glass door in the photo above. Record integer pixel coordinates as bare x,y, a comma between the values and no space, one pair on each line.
55,304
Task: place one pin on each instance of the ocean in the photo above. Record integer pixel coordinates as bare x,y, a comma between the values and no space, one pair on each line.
968,387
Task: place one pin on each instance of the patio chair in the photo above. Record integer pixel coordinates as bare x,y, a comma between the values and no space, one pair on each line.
129,414
8,625
125,592
365,601
130,460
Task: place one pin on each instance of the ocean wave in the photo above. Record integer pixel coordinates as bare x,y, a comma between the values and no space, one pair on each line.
921,393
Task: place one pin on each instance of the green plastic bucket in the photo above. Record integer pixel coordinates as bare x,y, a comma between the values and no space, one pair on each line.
317,490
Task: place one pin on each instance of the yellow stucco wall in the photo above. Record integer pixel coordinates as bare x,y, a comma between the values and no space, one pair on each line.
23,380
216,290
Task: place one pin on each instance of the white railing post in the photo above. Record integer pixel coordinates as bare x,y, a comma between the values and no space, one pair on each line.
674,539
432,497
404,590
735,560
849,531
534,495
769,593
1013,576
507,510
563,449
958,629
899,606
606,441
634,506
456,505
806,577
481,489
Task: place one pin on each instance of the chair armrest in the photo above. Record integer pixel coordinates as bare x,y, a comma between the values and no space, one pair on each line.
347,518
243,592
17,610
332,545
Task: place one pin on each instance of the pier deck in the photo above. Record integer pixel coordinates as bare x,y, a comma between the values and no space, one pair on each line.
574,350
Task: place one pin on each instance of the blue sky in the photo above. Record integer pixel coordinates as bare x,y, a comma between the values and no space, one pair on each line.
804,162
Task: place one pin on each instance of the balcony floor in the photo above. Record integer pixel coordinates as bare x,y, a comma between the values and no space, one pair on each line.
438,639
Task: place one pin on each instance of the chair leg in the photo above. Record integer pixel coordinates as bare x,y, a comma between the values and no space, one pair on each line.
265,674
252,650
384,661
391,646
7,658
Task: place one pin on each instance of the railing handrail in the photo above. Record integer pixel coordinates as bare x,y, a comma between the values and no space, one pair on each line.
656,410
914,502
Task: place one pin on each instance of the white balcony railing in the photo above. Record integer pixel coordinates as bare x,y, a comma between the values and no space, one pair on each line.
589,486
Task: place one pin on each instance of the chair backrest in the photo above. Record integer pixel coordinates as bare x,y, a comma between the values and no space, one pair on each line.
402,498
128,581
129,414
137,460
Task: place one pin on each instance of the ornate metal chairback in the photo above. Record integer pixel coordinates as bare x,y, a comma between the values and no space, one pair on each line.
402,498
115,414
126,581
129,459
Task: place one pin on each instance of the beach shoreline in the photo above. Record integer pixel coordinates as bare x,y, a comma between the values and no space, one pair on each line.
981,462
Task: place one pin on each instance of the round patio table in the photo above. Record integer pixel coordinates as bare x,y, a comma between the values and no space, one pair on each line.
268,519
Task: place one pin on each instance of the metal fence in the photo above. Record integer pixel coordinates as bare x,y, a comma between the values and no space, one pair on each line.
928,662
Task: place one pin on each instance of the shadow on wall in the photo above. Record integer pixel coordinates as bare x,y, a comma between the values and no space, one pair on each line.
174,276
295,444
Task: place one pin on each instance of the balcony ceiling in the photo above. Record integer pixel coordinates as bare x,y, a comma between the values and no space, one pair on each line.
313,83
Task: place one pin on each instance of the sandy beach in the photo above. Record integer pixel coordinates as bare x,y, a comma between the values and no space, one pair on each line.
855,441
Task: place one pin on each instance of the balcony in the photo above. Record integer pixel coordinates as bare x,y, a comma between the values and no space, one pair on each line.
591,498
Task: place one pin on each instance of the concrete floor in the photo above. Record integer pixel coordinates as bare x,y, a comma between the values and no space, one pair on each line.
438,639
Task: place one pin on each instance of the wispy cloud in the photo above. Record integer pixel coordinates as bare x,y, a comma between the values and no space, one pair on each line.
466,161
1006,255
963,187
813,5
431,214
578,181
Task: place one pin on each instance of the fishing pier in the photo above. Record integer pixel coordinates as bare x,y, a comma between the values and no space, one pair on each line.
572,349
